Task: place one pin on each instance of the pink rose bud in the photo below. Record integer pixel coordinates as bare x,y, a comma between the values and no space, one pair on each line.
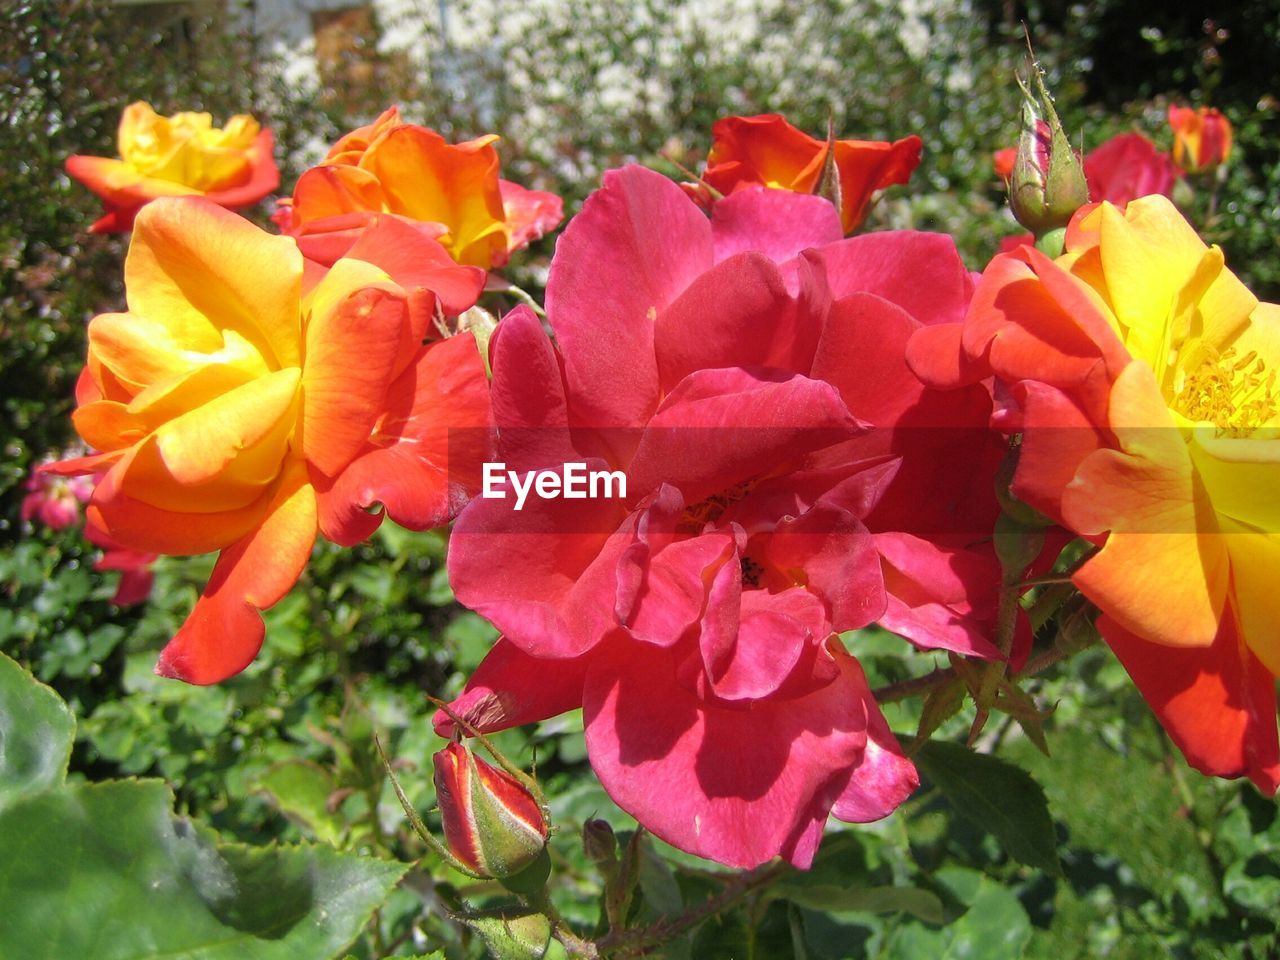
1048,183
492,823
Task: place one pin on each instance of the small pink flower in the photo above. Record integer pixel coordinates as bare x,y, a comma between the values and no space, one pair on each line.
55,501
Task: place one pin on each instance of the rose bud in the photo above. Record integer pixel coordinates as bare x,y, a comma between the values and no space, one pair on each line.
1048,183
1201,138
492,823
599,843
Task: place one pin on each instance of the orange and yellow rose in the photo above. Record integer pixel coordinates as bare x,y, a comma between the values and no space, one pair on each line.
1201,138
767,151
181,155
450,191
245,402
1143,377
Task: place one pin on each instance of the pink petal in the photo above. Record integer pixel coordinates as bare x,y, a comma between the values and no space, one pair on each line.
777,223
529,213
736,786
721,427
511,688
544,575
737,314
636,245
889,264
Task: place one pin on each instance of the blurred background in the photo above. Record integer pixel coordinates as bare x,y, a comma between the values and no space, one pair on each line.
1156,861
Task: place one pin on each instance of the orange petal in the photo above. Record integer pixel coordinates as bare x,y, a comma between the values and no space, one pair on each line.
202,444
1163,572
141,351
151,529
867,166
765,150
412,257
1255,558
328,191
427,178
108,425
351,352
1218,703
224,632
119,183
424,461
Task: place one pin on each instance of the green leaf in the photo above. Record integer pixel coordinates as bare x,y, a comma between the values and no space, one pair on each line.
301,789
36,731
997,797
922,904
99,871
995,927
658,884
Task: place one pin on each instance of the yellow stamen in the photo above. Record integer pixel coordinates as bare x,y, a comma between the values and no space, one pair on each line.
1238,396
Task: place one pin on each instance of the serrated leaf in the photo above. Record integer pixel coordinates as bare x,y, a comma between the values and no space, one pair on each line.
996,796
940,704
36,732
100,871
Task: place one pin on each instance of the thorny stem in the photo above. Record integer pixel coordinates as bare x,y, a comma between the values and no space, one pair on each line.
904,689
573,944
629,942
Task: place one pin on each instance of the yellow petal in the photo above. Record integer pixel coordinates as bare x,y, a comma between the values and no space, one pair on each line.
221,455
343,279
200,270
1255,558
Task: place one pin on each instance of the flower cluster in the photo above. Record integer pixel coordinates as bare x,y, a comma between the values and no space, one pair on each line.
807,433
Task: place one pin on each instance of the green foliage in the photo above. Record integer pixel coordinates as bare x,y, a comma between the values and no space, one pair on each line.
105,870
996,796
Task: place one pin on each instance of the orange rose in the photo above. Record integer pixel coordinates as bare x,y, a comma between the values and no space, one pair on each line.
1201,138
768,151
452,192
182,155
1141,376
241,404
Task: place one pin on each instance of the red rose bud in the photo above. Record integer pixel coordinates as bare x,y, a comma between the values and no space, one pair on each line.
1201,138
1048,183
492,824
